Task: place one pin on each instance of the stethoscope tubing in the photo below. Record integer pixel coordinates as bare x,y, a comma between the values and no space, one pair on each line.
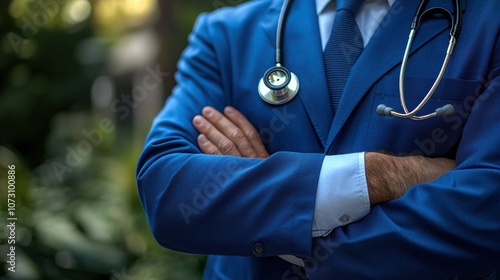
284,92
437,82
454,33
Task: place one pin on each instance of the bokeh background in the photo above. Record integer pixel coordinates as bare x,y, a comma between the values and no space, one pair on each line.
74,112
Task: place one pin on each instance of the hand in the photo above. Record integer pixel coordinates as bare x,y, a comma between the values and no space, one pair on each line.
228,134
389,177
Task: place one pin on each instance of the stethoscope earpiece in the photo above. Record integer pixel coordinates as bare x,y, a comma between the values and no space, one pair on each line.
383,110
278,85
446,110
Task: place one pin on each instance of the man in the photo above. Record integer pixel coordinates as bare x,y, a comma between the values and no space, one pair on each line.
296,190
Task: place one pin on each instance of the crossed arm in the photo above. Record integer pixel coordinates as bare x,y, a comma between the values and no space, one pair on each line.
388,176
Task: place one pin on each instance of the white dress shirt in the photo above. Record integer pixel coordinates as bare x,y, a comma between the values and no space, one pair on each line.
342,195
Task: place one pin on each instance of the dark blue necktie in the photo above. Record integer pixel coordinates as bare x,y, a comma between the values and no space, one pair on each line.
342,49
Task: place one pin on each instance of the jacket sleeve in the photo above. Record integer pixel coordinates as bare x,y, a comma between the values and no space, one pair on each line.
442,229
220,204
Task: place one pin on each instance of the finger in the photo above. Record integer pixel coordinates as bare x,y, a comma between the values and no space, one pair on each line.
207,147
230,130
225,145
248,129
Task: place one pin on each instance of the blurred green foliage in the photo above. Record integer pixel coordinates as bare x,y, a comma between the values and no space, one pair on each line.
78,213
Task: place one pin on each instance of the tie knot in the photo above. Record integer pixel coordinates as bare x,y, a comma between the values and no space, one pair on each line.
350,5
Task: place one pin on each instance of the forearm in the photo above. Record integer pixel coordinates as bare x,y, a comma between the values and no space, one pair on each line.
389,177
385,178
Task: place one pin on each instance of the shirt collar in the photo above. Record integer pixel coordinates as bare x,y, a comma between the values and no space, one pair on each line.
321,4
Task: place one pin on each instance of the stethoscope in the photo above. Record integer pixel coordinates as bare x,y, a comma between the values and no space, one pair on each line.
279,85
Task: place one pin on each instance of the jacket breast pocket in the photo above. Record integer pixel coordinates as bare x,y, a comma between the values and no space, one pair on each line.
437,136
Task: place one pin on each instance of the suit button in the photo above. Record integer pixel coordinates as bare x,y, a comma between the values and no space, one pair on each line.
259,250
345,218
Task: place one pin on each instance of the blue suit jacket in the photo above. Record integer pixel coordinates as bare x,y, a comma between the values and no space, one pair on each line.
248,211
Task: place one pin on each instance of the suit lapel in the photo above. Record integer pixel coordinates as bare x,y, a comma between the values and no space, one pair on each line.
384,52
303,55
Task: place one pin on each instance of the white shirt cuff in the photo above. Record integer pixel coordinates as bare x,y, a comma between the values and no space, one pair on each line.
342,195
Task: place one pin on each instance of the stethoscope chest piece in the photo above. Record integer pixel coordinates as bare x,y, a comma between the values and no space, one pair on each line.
278,86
